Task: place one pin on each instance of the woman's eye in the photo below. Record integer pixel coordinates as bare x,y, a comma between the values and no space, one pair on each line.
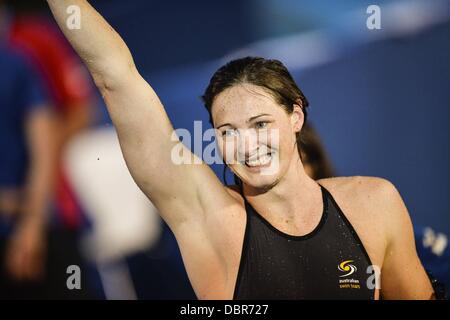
229,133
261,125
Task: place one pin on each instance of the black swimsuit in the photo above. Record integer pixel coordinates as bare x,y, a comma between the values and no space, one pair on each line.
328,263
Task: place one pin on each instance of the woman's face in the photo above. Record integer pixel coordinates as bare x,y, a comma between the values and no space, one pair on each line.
255,135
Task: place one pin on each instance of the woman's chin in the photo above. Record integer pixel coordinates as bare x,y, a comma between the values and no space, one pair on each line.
260,181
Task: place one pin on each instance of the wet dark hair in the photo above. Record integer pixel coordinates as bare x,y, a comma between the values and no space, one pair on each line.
315,155
270,75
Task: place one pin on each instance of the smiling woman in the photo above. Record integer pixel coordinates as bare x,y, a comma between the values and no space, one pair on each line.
281,235
269,75
250,92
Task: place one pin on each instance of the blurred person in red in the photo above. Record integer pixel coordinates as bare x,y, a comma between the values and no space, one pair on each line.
68,85
69,92
27,161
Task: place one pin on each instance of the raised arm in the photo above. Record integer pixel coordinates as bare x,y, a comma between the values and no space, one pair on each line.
180,192
189,197
100,47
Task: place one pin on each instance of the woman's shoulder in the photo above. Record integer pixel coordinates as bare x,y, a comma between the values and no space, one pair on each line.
358,186
366,198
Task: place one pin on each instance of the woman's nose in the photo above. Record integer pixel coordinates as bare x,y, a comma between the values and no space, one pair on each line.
247,143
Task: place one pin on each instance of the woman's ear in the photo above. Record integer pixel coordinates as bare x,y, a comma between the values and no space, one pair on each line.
297,118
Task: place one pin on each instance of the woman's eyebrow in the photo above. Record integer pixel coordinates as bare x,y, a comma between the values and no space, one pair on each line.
223,125
249,120
256,117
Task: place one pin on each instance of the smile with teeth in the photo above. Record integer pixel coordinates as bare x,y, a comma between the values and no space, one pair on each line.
260,161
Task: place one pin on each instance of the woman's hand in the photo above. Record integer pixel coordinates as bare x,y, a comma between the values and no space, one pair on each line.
26,251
